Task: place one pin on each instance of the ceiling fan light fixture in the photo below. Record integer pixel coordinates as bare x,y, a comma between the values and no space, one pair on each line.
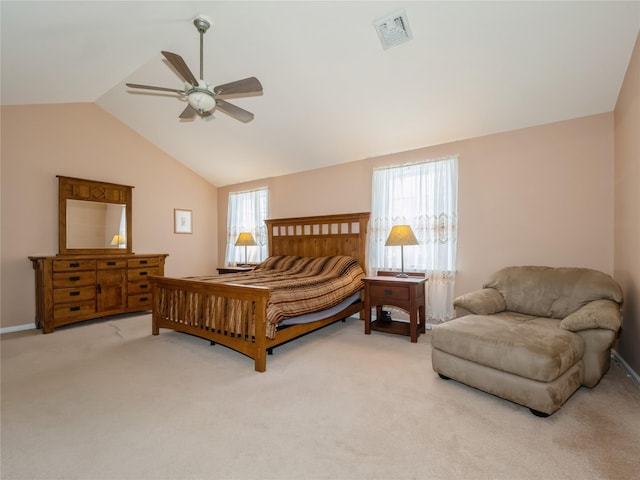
201,100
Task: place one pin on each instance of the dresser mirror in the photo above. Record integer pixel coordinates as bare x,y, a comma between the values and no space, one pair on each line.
93,217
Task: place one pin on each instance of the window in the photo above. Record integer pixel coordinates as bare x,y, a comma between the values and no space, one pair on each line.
424,196
247,213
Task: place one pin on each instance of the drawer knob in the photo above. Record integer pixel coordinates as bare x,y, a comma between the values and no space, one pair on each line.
74,279
74,265
387,291
143,262
143,285
143,273
74,309
111,263
74,294
144,299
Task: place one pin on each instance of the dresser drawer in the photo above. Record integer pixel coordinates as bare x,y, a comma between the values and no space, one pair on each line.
73,279
71,265
140,274
143,262
112,263
139,287
141,300
70,310
379,292
64,295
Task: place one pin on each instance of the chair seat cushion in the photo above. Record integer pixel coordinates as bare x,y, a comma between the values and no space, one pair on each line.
531,347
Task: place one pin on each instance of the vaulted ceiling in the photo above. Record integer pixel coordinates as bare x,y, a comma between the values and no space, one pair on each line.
332,94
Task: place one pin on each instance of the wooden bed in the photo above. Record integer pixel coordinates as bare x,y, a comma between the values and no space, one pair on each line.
192,307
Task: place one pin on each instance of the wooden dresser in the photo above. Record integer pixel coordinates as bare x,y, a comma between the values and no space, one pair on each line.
74,288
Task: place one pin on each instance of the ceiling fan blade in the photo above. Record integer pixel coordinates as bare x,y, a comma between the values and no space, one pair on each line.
179,64
234,111
188,113
246,85
149,87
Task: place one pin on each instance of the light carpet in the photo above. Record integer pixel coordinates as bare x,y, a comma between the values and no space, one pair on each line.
107,400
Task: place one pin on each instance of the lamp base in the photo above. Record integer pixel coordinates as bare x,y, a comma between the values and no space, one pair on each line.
402,275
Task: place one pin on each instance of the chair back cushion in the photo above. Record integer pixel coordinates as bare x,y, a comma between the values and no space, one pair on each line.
552,292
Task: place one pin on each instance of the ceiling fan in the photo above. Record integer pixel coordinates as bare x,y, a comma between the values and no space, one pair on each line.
204,98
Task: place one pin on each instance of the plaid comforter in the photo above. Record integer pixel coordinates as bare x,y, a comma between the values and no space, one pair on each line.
299,285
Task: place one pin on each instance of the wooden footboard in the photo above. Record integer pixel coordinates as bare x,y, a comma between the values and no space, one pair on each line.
231,315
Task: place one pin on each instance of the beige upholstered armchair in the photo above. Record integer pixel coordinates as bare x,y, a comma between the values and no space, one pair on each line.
532,335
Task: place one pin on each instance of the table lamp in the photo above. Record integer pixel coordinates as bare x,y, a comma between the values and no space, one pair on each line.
245,239
401,235
118,240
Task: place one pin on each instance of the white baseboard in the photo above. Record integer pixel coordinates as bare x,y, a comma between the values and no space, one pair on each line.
17,328
634,376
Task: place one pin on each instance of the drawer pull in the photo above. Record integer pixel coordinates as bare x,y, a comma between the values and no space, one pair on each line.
74,279
144,299
143,262
74,265
143,285
74,294
387,291
143,273
111,263
74,309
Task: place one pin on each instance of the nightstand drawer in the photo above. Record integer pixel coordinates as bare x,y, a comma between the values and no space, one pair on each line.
396,292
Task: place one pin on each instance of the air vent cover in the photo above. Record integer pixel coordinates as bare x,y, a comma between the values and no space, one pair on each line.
393,29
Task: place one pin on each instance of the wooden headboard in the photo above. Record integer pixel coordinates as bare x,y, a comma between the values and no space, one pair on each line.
320,236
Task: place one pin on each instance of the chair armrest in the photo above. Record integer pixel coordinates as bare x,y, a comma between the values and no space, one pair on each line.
597,314
481,302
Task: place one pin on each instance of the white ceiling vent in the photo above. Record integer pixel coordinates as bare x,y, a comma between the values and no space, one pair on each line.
393,29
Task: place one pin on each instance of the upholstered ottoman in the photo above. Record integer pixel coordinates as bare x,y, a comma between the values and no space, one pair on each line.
531,362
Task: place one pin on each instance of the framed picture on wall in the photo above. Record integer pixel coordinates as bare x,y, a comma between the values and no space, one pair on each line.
182,221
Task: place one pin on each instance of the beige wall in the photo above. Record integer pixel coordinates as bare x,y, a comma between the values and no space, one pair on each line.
82,140
541,196
627,208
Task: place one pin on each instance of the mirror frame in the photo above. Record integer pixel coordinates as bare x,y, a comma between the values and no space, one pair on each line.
70,188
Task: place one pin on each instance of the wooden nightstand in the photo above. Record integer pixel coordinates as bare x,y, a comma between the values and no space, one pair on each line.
406,293
224,270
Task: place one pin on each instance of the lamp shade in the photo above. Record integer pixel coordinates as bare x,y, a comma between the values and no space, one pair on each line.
118,240
245,239
401,235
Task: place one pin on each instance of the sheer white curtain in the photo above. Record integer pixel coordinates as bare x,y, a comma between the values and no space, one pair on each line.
425,196
246,213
